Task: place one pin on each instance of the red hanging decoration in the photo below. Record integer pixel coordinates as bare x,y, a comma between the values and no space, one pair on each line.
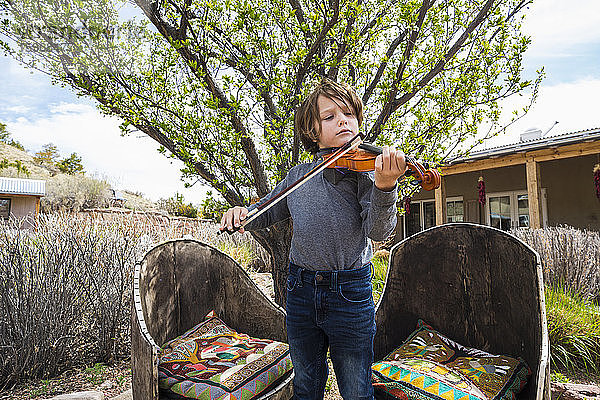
407,205
597,180
481,189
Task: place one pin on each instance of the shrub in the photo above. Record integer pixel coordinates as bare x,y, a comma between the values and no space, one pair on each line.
213,208
65,288
63,297
245,250
380,265
573,330
176,206
570,257
72,193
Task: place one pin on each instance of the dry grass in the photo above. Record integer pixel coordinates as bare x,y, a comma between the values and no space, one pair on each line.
13,154
570,257
65,288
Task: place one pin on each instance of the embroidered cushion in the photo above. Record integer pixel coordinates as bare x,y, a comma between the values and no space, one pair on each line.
211,361
430,366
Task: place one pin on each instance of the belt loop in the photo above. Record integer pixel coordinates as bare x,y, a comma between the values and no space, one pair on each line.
333,281
300,269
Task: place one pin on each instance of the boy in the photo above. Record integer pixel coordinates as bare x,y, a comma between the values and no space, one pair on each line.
329,300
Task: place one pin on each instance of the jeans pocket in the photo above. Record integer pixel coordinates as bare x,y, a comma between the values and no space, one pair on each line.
291,282
356,291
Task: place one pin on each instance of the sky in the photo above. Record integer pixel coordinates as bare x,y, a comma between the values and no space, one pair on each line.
565,41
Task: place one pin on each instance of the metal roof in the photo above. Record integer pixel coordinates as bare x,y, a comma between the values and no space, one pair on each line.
22,186
535,144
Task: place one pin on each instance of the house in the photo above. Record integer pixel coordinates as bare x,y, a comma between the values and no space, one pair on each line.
20,197
538,182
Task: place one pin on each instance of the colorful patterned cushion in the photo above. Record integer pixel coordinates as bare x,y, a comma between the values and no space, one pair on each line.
430,366
211,361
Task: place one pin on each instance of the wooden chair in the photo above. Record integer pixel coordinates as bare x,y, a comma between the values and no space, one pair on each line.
478,285
175,285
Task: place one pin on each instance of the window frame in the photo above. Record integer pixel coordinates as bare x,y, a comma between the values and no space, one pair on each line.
421,205
454,199
514,207
7,217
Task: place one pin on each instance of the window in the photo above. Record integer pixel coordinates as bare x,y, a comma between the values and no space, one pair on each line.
500,212
4,208
511,210
523,210
454,210
421,216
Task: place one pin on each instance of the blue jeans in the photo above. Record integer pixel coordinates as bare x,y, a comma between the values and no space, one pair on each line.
335,310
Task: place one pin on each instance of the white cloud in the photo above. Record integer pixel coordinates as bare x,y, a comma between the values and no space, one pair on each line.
573,104
18,109
66,108
130,162
557,26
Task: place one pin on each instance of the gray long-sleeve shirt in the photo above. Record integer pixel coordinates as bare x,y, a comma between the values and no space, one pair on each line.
332,223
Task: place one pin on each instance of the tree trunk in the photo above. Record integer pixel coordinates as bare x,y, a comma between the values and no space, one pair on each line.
277,240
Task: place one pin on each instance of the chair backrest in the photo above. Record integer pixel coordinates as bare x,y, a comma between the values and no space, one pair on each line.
183,280
480,286
175,285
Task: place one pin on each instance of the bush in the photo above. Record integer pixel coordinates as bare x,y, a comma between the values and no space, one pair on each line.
573,330
570,257
72,193
64,295
213,208
176,206
244,250
380,262
65,288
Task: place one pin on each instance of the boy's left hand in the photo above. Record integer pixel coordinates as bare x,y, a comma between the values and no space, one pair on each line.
389,166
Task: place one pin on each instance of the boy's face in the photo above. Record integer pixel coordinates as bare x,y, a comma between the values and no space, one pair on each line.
338,123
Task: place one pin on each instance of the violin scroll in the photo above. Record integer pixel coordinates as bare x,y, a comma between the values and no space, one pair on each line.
429,179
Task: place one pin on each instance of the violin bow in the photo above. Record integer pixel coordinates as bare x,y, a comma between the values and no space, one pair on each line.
255,213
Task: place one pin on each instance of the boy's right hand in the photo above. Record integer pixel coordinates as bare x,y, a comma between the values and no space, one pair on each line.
233,218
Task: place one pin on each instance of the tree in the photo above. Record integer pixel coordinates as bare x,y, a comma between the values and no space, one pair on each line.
4,134
48,156
5,138
71,165
215,83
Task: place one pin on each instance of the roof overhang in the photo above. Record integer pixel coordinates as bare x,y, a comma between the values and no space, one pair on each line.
552,148
22,187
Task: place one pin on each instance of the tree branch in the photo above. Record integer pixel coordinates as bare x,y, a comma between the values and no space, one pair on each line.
343,49
375,21
393,104
388,106
300,75
511,14
200,69
448,56
388,55
314,48
299,14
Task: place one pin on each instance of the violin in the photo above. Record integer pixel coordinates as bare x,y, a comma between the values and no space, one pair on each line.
362,159
357,156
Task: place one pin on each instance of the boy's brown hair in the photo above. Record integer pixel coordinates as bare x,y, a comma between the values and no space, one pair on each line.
307,122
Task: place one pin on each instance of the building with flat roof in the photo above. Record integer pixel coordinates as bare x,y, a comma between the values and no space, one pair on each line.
20,197
537,182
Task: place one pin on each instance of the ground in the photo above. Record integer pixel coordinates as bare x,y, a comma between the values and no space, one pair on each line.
111,380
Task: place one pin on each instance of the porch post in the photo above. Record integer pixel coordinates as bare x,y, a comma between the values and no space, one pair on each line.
440,203
533,193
